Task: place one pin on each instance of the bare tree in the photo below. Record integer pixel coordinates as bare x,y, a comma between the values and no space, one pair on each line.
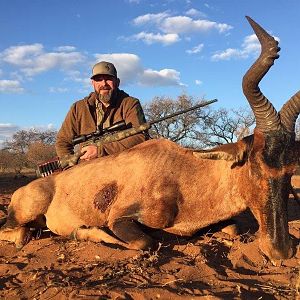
20,144
226,126
39,152
22,139
297,129
245,121
201,128
179,129
10,161
6,158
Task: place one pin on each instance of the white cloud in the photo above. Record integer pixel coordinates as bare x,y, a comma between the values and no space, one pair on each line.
150,38
10,86
165,77
183,24
21,55
49,61
196,49
150,18
249,47
251,44
32,59
228,54
195,13
170,28
198,82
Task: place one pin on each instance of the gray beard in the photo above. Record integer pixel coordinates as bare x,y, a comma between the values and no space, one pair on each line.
106,98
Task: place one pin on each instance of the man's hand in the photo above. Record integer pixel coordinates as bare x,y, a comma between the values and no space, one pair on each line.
90,152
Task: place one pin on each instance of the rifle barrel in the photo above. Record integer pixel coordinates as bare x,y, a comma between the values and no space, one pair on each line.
205,103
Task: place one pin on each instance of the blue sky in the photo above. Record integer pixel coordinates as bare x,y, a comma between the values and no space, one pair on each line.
160,48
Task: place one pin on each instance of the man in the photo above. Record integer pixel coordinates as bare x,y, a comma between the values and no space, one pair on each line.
102,108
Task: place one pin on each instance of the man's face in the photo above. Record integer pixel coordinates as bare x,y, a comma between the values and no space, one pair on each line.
105,87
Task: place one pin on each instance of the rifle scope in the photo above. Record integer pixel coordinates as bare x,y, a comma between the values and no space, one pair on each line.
90,136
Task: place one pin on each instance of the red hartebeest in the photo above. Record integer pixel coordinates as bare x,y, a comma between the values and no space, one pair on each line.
164,186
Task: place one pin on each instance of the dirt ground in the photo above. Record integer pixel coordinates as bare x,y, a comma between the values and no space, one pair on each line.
211,265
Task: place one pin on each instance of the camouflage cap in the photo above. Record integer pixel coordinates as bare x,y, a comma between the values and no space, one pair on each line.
104,68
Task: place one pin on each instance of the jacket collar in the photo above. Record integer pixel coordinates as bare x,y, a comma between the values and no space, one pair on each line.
91,99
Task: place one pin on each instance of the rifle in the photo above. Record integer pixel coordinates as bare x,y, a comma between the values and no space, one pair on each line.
116,132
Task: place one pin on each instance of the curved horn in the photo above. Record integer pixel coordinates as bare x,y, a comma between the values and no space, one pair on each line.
289,112
267,119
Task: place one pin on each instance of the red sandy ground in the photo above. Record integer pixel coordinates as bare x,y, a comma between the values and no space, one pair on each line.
211,265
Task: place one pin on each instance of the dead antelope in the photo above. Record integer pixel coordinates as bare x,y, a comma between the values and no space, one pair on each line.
164,186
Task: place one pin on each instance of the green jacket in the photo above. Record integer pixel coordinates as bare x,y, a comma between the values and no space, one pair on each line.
82,119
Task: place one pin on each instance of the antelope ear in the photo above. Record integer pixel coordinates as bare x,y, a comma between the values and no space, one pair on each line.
236,152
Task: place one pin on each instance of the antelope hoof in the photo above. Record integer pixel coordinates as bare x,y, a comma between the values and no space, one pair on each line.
24,240
20,236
